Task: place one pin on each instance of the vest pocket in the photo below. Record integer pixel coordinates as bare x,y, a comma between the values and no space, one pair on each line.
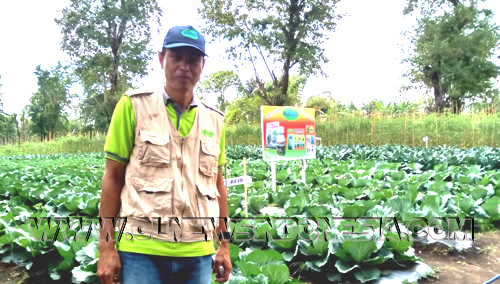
208,157
208,203
155,196
154,149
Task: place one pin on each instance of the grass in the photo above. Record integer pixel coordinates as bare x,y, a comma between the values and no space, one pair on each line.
491,248
69,145
464,131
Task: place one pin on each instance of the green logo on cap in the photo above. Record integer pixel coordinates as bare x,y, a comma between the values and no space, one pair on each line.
189,33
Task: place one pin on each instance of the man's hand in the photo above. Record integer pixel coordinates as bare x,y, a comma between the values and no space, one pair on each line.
222,258
109,266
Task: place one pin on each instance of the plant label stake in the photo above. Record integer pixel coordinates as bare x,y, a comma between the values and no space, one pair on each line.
273,175
304,170
426,140
246,193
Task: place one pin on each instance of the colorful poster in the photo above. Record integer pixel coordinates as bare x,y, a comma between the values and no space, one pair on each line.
288,133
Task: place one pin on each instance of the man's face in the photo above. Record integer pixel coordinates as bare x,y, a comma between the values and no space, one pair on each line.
183,67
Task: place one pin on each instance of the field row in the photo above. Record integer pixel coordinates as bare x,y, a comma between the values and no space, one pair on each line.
348,182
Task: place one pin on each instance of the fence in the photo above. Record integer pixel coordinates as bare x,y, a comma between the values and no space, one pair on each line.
464,130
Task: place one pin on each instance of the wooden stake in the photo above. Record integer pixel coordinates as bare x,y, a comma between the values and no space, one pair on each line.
246,192
373,128
437,137
413,129
406,121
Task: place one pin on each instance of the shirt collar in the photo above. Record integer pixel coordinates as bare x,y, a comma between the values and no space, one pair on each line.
194,102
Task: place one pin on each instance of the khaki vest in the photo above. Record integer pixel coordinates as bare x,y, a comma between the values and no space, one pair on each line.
171,176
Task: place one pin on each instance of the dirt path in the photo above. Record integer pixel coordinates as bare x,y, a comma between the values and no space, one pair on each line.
475,266
11,274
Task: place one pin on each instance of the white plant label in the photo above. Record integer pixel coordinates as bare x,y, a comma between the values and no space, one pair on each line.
238,180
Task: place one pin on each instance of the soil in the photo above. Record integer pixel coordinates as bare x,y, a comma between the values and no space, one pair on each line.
475,265
11,274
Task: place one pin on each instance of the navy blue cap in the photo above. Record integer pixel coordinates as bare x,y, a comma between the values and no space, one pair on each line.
184,36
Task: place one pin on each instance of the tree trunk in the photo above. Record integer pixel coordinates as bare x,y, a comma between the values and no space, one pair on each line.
114,75
456,105
438,98
438,91
284,83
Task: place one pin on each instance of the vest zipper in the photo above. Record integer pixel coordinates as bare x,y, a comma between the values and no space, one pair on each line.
182,182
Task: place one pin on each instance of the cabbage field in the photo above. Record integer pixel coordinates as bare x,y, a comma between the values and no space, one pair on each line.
344,181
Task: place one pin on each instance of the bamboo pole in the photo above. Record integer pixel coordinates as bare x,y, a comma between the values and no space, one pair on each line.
473,131
373,128
436,137
406,121
360,123
493,133
245,184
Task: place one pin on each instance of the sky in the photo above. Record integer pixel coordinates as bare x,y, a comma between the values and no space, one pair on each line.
364,51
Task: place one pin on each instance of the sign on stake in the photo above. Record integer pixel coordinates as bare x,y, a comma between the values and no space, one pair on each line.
246,193
240,180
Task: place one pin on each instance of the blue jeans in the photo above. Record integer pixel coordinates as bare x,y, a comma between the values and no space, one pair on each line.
153,269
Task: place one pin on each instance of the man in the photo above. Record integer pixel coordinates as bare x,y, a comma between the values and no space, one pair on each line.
164,157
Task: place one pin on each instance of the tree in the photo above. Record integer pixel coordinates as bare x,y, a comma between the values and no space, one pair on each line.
246,109
46,108
108,43
274,96
453,52
430,8
219,83
7,128
23,124
286,32
320,104
1,104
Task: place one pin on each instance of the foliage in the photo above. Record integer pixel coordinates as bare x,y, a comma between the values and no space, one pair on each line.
485,157
433,7
7,123
47,105
108,42
1,104
8,128
218,83
288,33
244,111
295,86
391,126
247,108
67,145
398,182
453,54
56,187
321,103
436,184
342,125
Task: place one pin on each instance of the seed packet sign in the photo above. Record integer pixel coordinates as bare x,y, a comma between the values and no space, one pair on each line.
288,133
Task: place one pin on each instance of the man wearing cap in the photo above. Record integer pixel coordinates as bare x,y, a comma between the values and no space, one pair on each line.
164,154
